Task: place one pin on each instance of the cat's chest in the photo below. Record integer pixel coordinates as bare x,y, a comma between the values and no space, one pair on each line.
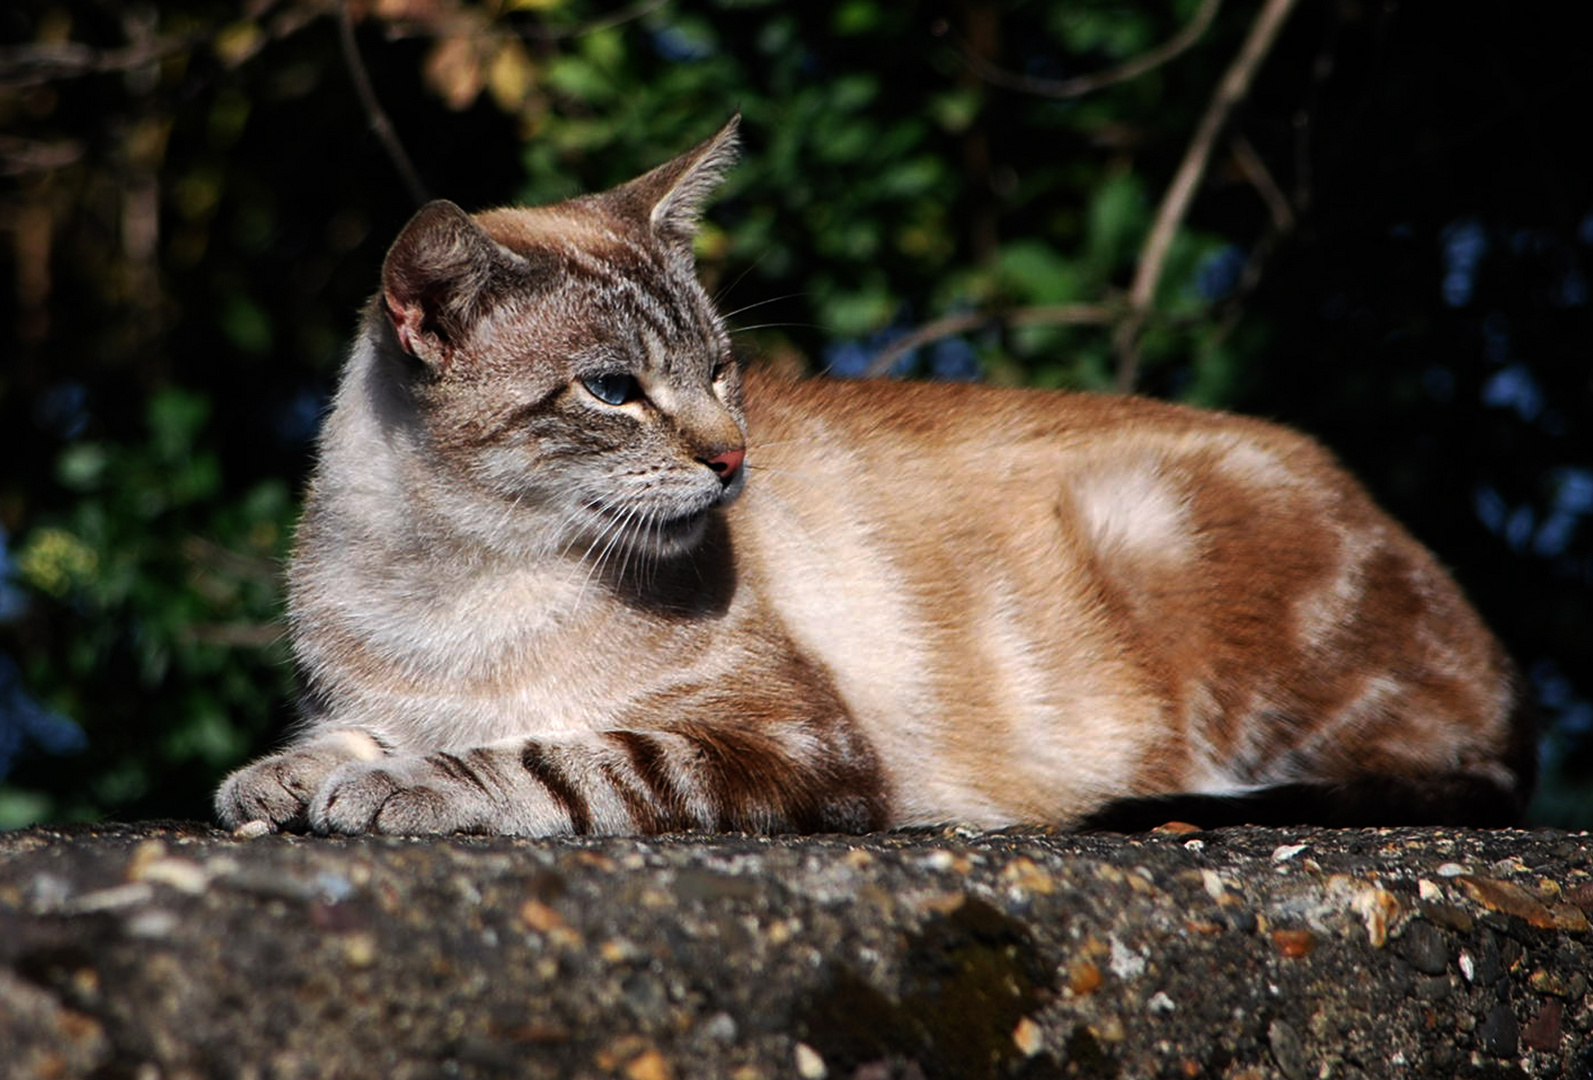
495,655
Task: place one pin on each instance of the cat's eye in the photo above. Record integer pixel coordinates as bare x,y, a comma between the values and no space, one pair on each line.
612,389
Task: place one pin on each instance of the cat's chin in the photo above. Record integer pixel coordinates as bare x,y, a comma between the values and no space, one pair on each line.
674,536
657,538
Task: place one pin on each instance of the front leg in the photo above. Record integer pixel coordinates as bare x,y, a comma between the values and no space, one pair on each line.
785,777
278,789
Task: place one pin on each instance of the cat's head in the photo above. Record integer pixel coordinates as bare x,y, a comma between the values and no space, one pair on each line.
567,371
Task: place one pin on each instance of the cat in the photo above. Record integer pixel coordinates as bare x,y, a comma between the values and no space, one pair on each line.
565,568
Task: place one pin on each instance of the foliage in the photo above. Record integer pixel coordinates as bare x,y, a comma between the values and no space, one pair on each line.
164,587
199,206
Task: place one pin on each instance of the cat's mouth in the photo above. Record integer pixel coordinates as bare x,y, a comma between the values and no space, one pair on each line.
684,524
660,530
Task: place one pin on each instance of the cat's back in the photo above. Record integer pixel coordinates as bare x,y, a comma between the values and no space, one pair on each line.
973,445
1129,594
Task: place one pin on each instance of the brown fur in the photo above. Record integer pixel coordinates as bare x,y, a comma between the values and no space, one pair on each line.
520,606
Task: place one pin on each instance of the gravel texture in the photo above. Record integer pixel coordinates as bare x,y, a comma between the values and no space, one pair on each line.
165,951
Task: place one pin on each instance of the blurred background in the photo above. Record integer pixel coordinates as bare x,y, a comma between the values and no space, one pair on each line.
1386,242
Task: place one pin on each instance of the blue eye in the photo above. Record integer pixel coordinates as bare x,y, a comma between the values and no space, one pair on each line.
615,389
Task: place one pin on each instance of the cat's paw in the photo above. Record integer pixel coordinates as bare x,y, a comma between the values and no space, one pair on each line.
278,789
398,796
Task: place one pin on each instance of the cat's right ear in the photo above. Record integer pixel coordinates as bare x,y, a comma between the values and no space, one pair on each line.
671,197
435,280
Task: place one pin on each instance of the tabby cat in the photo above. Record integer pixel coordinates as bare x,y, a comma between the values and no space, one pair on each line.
565,568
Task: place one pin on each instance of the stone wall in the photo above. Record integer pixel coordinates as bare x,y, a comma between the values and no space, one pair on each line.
157,952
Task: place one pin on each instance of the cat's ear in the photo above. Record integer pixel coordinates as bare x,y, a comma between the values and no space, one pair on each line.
672,196
435,281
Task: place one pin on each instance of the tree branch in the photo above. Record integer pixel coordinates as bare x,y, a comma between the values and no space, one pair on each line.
1260,177
1084,84
20,156
951,325
1132,315
1230,91
380,124
31,65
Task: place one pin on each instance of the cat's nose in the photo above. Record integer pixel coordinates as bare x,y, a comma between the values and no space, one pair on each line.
727,464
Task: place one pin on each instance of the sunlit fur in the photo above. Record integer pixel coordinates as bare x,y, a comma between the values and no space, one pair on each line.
517,608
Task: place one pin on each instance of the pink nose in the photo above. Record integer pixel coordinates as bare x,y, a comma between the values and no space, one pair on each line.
726,464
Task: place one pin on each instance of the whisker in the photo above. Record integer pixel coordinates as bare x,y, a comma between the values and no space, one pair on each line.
728,289
609,532
615,533
760,303
652,554
598,505
634,514
776,325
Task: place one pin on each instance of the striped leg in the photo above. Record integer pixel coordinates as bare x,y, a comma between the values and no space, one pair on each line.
794,777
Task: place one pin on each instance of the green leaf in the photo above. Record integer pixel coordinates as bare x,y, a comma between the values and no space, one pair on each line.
855,17
246,324
1215,374
82,466
853,93
57,562
605,47
855,312
576,77
1117,220
175,417
1033,272
1178,293
20,808
912,177
955,110
195,479
1117,30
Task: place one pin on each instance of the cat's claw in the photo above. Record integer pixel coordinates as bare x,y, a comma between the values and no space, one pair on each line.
351,800
390,798
274,791
278,790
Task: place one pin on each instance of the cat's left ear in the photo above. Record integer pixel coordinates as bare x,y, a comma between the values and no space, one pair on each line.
672,196
439,280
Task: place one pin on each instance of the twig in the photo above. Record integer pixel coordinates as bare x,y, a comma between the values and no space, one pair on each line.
1085,84
210,555
1283,218
236,635
401,28
1044,315
1260,178
1230,91
30,65
20,156
931,331
630,14
380,124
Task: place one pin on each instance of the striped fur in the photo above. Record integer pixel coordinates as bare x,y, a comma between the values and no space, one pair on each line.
564,569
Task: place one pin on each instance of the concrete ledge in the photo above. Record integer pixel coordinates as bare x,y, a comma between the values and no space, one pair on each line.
174,951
